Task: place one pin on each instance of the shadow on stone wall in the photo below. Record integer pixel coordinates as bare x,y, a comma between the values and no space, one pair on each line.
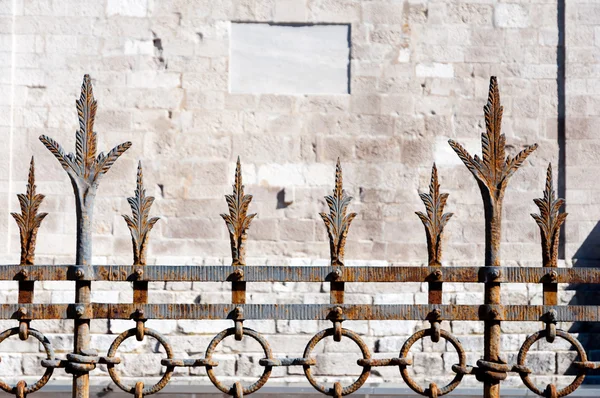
588,255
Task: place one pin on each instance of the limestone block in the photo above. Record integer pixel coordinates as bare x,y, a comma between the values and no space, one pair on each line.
270,59
290,10
130,8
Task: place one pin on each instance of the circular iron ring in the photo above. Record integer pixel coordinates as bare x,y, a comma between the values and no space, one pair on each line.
523,356
365,353
113,372
266,349
462,359
49,355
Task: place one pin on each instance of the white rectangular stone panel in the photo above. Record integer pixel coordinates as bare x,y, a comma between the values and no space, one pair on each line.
288,59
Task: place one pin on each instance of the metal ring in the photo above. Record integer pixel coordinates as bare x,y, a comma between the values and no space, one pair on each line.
462,359
231,332
523,356
365,353
113,372
49,355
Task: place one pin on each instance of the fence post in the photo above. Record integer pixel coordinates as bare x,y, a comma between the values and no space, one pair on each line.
492,173
84,169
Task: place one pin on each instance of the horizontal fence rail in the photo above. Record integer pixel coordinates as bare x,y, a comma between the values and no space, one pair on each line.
355,312
491,171
269,273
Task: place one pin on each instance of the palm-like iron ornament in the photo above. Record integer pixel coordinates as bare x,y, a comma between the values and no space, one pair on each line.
140,224
493,170
238,220
549,220
337,222
29,220
434,219
85,166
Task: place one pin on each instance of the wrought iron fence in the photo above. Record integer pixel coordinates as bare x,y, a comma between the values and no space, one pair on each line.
492,172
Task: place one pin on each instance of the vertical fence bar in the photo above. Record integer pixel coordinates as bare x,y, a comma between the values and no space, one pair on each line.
492,172
238,222
84,169
337,224
434,221
29,222
550,220
140,226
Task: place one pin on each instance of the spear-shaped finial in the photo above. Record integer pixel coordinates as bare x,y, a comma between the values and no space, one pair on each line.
549,220
435,219
337,222
84,165
29,220
140,225
494,169
238,220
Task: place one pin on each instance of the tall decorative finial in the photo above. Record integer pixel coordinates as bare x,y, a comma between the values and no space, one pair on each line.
29,220
84,166
435,219
337,222
140,225
493,171
238,220
549,220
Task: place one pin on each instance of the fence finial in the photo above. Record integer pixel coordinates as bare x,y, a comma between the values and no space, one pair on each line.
84,166
238,220
494,169
29,220
435,219
549,220
337,222
140,225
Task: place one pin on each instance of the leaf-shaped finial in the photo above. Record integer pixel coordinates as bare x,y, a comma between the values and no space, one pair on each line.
140,225
238,220
337,222
549,220
435,219
29,220
494,169
84,165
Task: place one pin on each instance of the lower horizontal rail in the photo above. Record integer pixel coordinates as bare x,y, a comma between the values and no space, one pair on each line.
571,313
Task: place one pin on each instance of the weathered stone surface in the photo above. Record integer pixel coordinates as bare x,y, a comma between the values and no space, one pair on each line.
277,59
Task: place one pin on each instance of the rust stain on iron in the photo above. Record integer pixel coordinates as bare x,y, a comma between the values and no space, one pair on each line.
550,220
238,221
434,220
140,224
29,220
337,222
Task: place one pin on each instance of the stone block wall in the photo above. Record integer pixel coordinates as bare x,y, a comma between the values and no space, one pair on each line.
419,73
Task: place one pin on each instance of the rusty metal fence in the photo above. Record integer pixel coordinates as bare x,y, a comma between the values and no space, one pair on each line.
492,172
